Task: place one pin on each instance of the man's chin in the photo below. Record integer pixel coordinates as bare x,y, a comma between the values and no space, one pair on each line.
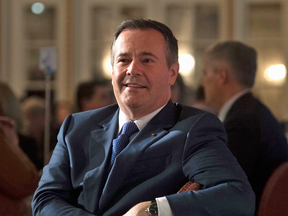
133,104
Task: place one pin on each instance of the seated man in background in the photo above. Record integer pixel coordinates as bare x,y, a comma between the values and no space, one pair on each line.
33,111
254,135
93,95
170,144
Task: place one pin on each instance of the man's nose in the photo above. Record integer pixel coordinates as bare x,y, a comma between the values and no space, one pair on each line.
135,68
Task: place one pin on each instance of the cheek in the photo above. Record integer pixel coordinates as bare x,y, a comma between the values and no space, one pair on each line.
116,77
208,81
207,84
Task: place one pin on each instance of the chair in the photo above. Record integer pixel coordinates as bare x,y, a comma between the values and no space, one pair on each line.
190,186
274,199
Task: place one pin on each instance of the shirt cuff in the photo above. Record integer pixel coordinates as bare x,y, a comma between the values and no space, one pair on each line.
163,207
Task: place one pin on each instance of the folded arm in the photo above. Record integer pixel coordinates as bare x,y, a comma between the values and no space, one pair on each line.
225,189
207,161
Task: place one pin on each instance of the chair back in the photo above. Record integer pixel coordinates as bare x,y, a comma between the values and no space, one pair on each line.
274,199
190,186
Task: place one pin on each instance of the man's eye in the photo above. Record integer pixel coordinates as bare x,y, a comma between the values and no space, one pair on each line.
123,60
147,60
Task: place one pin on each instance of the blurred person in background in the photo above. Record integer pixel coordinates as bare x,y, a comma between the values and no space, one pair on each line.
94,94
59,112
18,175
254,135
9,106
33,112
179,91
200,102
63,109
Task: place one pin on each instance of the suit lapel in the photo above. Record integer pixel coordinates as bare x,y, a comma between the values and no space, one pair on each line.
99,148
153,131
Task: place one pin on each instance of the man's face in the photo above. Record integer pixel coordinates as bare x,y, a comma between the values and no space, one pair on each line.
141,78
210,82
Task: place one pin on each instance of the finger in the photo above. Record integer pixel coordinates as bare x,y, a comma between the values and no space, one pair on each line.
7,121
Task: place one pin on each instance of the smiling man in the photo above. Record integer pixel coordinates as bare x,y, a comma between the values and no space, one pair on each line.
132,158
141,77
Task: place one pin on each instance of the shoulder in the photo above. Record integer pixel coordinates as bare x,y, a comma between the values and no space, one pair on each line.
192,116
91,117
191,112
249,107
246,108
100,113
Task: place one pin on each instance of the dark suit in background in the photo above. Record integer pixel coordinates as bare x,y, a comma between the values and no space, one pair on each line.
256,139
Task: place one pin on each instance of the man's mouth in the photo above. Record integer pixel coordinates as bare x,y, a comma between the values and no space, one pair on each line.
134,85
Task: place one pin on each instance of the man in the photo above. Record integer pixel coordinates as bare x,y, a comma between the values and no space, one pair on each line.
175,144
93,95
254,135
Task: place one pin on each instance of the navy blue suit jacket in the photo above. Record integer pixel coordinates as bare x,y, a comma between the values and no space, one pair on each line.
256,139
179,144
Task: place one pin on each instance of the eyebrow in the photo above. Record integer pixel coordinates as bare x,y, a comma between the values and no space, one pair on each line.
148,54
141,54
122,55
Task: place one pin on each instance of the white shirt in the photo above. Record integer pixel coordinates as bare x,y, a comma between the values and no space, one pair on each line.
227,106
162,203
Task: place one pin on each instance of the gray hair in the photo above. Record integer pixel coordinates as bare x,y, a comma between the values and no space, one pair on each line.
242,58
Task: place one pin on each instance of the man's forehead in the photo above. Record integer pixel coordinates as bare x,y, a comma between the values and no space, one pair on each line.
129,35
142,41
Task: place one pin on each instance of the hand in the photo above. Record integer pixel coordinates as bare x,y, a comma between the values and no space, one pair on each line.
139,209
8,127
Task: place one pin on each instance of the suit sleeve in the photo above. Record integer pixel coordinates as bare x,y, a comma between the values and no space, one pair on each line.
55,194
208,161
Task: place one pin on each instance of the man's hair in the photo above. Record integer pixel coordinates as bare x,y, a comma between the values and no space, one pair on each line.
242,58
146,24
87,89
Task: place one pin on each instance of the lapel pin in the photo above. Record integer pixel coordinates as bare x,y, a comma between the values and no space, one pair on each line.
153,134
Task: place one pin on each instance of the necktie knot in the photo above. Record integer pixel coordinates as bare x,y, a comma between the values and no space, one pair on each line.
128,129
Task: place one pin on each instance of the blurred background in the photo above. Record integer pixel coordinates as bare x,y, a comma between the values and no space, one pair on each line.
81,33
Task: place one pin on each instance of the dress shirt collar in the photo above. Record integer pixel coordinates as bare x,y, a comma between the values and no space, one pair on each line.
227,106
139,122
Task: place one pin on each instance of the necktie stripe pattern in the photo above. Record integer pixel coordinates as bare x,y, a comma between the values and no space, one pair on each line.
128,129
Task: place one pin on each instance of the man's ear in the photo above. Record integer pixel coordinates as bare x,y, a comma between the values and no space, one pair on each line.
223,75
174,70
225,72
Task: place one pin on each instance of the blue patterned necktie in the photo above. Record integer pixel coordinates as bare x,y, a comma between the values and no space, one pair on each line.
128,129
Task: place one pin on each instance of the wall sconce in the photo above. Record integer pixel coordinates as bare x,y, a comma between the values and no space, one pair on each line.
275,74
187,63
107,67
